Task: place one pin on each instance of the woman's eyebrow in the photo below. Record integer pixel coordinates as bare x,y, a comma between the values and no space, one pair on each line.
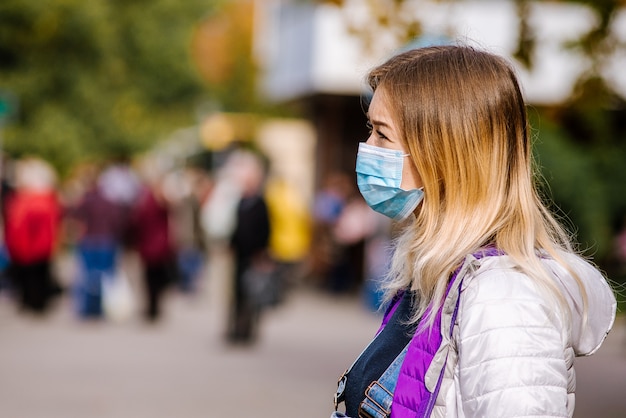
379,123
375,121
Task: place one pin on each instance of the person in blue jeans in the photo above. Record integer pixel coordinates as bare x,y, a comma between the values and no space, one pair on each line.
97,259
101,226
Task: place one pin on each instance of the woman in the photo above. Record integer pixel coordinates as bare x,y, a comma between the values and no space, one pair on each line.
489,303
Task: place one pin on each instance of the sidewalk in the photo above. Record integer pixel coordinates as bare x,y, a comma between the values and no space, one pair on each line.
58,367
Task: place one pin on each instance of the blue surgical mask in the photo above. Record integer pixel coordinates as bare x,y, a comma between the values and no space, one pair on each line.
379,175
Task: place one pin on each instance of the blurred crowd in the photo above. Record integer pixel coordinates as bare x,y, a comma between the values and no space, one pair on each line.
169,219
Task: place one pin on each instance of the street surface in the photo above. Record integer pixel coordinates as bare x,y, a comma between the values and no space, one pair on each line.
60,367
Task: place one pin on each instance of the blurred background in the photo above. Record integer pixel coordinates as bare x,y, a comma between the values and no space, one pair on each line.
157,157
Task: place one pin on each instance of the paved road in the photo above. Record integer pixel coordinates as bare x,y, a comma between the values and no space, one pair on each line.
58,367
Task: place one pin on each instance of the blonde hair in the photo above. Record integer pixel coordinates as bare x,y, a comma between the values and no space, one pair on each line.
462,119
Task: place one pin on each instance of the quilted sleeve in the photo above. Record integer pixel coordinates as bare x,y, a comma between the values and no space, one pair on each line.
510,349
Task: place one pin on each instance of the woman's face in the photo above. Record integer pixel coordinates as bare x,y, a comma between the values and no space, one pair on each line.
385,134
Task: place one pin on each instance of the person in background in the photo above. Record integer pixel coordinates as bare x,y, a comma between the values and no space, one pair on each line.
488,301
249,241
32,219
150,235
327,264
186,190
291,232
350,233
99,223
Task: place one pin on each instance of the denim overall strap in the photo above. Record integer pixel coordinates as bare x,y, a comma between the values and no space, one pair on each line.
379,394
341,384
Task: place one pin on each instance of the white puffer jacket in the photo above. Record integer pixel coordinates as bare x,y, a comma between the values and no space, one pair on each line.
510,354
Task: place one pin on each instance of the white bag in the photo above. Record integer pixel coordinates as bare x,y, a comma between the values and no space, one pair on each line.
117,297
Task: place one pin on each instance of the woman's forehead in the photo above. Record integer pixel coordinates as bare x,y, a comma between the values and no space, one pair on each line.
378,105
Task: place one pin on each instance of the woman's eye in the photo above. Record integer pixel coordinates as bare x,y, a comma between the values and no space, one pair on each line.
370,129
380,135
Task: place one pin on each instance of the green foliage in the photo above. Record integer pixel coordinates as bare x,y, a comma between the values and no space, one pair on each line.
586,180
98,78
572,182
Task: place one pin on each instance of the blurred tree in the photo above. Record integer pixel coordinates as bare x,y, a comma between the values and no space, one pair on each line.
222,49
98,78
570,177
